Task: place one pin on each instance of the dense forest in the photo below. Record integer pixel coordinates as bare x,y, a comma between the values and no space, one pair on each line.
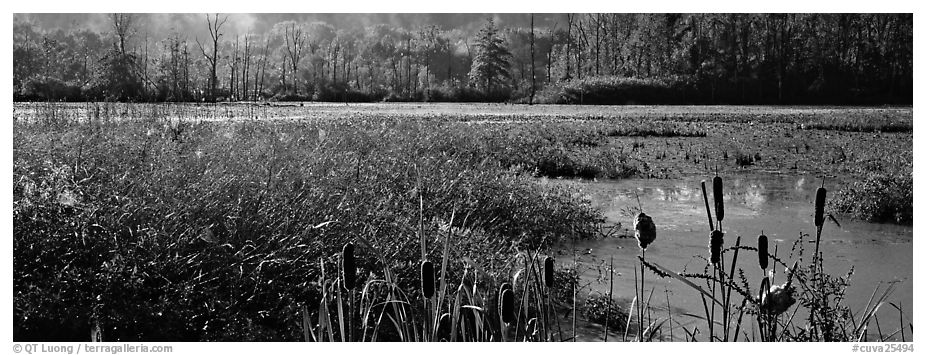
578,58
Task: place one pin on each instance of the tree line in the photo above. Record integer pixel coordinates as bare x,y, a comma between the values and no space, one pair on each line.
581,58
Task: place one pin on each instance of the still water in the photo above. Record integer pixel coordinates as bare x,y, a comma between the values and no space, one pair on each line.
779,205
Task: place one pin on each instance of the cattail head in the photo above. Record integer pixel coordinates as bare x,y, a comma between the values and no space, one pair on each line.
644,230
506,303
763,251
427,279
718,198
716,246
348,266
818,205
548,271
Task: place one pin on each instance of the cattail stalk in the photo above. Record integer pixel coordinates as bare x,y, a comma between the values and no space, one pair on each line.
707,206
818,205
763,314
349,276
645,232
716,247
548,281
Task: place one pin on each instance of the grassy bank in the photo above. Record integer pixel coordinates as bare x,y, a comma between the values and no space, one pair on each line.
212,231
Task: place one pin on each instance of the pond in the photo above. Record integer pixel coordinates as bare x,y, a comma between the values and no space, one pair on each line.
779,205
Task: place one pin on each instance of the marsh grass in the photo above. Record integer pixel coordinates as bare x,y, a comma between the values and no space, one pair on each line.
178,226
180,229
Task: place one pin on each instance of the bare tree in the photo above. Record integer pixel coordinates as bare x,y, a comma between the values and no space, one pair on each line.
550,52
214,27
233,72
123,28
261,69
295,48
533,67
247,65
569,21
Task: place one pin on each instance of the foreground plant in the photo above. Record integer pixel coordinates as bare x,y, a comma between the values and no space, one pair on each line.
645,233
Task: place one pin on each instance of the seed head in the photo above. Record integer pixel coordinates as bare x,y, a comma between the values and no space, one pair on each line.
718,198
548,271
427,279
716,246
506,304
818,205
645,230
763,251
348,266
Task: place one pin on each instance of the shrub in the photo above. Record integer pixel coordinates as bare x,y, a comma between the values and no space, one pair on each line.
612,90
600,311
878,197
49,89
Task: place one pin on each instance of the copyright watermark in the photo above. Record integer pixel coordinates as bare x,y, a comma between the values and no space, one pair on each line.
91,348
882,348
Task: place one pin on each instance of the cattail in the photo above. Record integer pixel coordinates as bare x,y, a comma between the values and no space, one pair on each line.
763,251
716,246
506,304
548,272
818,204
427,279
718,198
645,230
348,266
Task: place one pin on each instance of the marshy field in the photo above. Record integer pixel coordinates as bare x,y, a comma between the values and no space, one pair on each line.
461,222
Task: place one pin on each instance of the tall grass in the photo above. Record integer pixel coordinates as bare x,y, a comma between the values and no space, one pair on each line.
171,226
186,230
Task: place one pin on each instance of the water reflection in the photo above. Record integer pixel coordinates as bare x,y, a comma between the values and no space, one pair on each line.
779,205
